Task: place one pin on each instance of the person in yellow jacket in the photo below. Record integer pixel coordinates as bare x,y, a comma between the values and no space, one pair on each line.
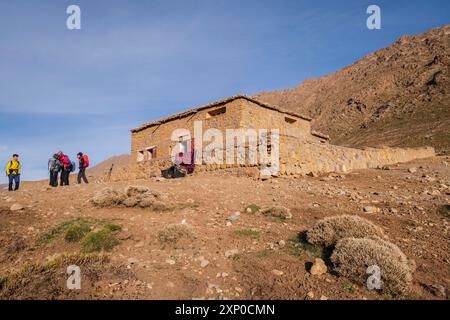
13,172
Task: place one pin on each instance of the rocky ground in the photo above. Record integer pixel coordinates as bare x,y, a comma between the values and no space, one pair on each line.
204,236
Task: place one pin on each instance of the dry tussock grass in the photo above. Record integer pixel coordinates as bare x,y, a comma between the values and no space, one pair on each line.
330,230
351,258
173,233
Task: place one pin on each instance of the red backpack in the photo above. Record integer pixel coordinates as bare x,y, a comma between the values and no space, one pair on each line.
86,160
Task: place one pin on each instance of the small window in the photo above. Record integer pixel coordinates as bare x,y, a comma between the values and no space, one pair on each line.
216,112
151,153
290,120
140,156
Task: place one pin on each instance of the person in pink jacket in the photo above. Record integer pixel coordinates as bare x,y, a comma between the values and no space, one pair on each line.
65,168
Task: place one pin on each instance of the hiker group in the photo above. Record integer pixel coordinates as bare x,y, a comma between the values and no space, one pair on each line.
61,165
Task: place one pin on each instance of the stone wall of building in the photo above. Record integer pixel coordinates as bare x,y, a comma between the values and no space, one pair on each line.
160,135
300,151
305,157
240,114
256,117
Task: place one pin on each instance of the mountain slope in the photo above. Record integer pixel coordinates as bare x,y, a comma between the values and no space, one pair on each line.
397,96
105,165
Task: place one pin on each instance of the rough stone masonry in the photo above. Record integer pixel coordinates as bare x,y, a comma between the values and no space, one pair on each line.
301,150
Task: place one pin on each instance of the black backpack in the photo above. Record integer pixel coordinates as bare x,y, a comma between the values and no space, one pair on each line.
72,166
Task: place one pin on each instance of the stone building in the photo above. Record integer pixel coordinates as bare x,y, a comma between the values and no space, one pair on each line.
301,150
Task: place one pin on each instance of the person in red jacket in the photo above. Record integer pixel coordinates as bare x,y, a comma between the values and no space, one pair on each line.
83,163
65,167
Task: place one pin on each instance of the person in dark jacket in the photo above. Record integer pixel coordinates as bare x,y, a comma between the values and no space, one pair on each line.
82,165
54,167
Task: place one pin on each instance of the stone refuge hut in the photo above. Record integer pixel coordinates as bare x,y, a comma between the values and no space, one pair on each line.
301,150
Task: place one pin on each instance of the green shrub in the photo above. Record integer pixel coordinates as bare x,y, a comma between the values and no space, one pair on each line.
254,234
277,212
76,231
348,287
113,227
297,245
64,226
444,211
252,208
100,240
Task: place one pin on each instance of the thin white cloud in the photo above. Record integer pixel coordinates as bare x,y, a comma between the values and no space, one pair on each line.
125,66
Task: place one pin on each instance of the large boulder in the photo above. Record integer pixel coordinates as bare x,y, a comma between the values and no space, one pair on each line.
108,198
132,196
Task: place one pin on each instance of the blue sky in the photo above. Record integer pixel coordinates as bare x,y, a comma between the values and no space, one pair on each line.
135,61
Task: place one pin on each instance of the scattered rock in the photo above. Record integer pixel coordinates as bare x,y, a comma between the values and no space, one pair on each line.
371,209
277,272
16,207
170,261
319,267
204,263
108,198
139,244
281,243
232,252
412,170
132,196
234,216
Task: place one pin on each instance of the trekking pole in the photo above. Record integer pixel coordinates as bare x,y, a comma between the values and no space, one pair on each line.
110,171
